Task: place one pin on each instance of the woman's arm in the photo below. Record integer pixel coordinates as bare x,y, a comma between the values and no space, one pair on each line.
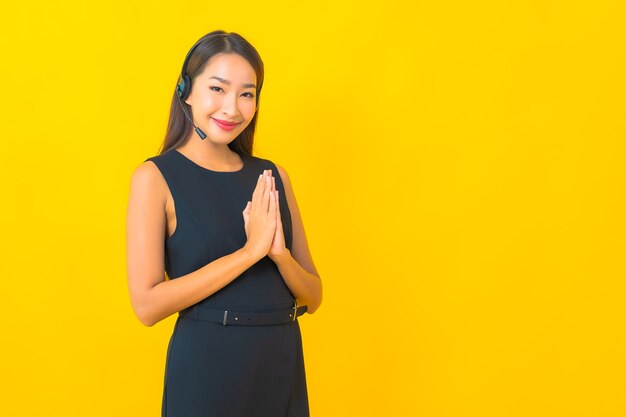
152,297
296,266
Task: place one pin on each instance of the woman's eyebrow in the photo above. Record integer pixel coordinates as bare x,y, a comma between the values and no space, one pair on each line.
228,82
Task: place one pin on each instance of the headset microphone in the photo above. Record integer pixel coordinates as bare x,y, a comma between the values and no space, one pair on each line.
183,88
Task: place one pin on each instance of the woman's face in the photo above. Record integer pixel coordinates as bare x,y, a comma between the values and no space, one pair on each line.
224,91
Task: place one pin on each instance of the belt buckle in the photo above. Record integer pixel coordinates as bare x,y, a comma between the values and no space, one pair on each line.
295,309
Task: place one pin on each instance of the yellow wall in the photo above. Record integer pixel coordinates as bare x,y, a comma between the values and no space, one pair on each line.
459,167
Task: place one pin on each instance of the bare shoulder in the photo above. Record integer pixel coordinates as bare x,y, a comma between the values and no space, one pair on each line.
282,171
145,173
147,201
146,178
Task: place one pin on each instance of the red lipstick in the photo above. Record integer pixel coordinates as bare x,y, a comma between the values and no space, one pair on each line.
224,124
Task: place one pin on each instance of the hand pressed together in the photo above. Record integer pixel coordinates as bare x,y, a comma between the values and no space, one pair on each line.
263,223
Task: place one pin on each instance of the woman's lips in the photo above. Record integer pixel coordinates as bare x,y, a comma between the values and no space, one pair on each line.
225,126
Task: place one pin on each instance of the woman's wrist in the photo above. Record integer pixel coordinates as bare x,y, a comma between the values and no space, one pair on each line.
283,256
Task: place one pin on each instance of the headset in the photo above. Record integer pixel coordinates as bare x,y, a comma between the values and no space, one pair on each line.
183,88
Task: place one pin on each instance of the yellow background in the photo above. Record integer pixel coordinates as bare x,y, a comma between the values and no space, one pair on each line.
459,167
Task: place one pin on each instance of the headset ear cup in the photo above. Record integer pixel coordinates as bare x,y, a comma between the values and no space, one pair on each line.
179,88
185,87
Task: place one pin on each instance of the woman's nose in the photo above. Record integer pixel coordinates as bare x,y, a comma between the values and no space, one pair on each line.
229,105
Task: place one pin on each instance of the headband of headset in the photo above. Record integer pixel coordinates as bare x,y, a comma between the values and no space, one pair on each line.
183,88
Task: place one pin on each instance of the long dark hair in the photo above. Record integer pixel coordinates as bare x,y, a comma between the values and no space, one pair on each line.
218,41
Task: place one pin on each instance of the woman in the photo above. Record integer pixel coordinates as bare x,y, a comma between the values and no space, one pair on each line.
225,227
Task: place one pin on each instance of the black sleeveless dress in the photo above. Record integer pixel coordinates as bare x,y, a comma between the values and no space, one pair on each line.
213,370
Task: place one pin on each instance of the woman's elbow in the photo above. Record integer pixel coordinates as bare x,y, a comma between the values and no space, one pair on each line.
143,313
313,306
144,317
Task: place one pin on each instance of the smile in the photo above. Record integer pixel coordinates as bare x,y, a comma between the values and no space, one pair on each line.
224,125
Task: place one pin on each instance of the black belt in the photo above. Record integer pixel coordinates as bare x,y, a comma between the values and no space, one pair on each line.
246,318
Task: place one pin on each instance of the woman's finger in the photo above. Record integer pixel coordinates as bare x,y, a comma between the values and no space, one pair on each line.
266,194
258,190
272,205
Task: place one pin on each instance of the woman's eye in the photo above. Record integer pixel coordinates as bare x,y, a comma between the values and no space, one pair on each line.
250,95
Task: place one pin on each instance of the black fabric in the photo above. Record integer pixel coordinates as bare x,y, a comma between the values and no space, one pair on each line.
214,370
